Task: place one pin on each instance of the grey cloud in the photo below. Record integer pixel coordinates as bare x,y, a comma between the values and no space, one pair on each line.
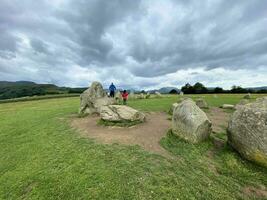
147,39
39,46
89,20
230,39
7,42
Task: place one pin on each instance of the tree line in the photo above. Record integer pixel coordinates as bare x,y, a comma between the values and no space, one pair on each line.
199,88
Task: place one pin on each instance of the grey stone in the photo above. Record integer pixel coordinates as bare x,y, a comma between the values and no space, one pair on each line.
157,94
93,98
247,131
132,95
228,106
174,105
247,96
117,113
202,103
190,122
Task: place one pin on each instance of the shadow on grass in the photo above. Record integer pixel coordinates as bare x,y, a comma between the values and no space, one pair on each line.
125,123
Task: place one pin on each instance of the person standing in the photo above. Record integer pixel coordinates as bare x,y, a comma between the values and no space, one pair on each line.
124,97
112,90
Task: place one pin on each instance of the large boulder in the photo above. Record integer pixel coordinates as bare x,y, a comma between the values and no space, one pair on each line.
202,103
247,131
93,98
190,122
120,113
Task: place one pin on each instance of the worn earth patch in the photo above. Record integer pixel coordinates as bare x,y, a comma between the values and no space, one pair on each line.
147,134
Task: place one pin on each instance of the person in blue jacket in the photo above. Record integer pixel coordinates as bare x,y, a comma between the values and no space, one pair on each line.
112,90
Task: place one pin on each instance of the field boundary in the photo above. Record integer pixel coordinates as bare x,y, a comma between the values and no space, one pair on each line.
34,98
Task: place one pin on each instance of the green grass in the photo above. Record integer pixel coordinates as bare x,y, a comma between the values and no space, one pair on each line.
42,157
164,104
33,98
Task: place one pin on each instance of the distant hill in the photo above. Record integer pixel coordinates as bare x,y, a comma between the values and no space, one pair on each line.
18,89
8,84
165,90
257,88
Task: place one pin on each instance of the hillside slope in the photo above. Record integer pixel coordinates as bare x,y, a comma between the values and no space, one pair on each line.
18,89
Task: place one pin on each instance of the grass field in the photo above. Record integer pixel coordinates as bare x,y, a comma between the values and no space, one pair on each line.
41,157
34,98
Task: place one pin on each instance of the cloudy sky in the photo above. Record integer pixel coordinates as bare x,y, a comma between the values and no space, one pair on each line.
134,43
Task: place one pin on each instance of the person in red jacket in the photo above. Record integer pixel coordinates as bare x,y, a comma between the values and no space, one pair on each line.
124,96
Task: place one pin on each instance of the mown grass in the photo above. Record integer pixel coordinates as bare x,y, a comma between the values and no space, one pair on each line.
33,98
164,104
42,157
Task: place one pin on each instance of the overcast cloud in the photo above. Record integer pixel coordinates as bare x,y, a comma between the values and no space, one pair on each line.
134,43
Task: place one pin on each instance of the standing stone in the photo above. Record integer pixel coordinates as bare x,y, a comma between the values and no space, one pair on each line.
158,94
118,94
141,96
181,93
190,122
93,98
247,96
118,97
228,106
202,103
132,95
120,113
247,131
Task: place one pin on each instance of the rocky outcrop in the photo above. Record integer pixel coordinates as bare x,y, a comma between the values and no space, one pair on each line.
190,122
93,98
120,113
247,131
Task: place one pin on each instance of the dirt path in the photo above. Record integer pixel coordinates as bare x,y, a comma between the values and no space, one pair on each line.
147,135
219,119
